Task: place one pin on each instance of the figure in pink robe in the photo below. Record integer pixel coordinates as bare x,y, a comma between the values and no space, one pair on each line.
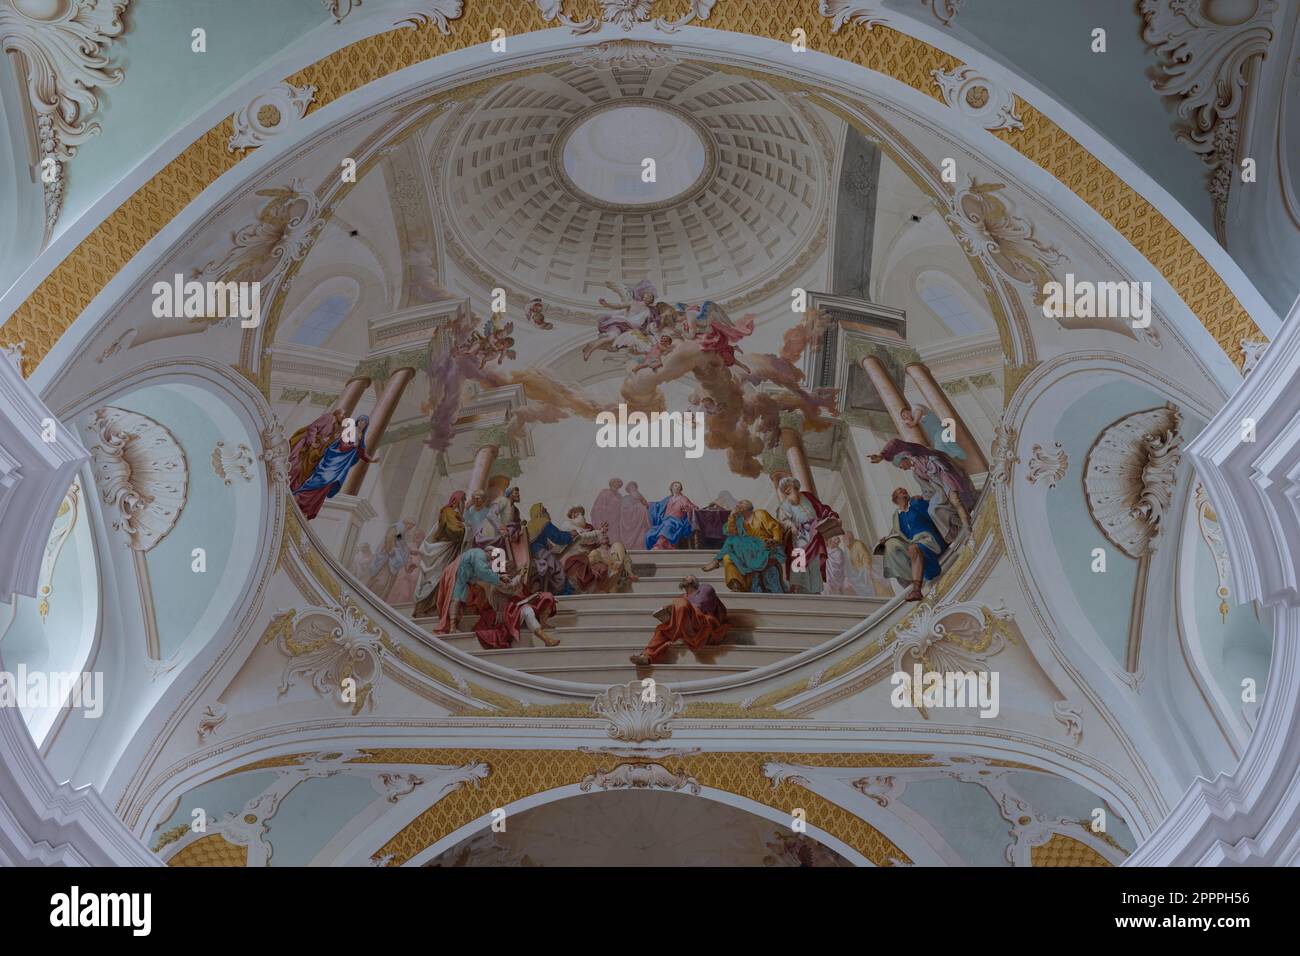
608,510
717,333
634,517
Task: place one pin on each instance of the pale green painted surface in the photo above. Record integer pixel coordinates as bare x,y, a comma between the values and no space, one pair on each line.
166,84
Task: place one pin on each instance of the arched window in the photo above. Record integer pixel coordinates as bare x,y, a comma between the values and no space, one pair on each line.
322,322
943,299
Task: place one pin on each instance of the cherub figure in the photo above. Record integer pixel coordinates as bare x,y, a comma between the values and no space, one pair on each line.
653,358
535,312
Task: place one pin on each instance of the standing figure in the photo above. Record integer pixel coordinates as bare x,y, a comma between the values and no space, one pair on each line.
634,517
440,549
513,530
332,470
671,521
403,589
753,555
942,480
307,445
697,619
607,509
805,517
391,558
473,567
483,523
913,546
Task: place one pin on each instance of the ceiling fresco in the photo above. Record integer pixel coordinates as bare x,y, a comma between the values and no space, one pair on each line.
691,454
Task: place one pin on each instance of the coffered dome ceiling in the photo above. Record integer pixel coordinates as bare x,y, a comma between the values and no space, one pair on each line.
543,185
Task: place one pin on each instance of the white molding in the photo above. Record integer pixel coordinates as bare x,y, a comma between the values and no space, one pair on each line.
34,476
1252,815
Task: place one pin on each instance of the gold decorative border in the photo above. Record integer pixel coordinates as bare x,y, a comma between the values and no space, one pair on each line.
70,287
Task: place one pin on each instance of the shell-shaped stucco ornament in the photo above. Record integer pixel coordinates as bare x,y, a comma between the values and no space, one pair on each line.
141,474
638,710
1129,477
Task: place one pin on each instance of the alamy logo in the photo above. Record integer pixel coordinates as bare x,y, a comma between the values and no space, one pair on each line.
208,300
1084,299
34,690
653,430
931,689
102,909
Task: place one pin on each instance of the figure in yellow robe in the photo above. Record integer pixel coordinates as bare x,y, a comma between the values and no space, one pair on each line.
753,554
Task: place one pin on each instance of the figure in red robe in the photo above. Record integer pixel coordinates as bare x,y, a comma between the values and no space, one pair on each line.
697,619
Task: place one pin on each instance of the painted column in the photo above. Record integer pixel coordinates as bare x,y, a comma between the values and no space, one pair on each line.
484,458
792,443
353,389
893,399
379,419
938,401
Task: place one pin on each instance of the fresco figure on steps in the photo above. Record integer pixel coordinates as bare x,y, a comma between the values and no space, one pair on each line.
441,547
697,619
753,554
944,483
808,522
912,548
608,508
671,523
634,517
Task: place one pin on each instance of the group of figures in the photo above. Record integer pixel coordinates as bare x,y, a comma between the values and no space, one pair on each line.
649,328
322,454
495,341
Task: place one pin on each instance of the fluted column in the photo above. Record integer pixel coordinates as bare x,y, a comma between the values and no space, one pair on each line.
353,389
893,399
484,458
379,419
792,444
937,400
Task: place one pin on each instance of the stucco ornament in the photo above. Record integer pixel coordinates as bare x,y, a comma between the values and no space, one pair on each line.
338,649
1207,53
986,224
1129,477
639,776
840,12
270,114
638,710
978,98
624,14
1047,466
282,234
954,638
62,47
141,474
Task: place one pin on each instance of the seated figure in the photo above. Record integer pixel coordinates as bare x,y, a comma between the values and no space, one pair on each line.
753,554
696,619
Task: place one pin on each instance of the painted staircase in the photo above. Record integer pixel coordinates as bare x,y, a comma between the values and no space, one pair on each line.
599,632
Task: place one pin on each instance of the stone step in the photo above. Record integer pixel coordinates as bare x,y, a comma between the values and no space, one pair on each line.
533,659
650,601
607,676
637,635
776,619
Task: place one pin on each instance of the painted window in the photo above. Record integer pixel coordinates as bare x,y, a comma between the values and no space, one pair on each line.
324,319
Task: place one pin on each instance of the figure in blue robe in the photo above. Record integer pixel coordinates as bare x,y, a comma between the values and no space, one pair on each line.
670,519
912,526
545,546
331,471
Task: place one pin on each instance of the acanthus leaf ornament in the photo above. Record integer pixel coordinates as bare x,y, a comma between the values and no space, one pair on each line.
952,638
330,646
1207,54
229,464
1003,456
61,47
1049,466
977,97
624,14
282,234
986,225
639,776
1129,477
438,12
269,114
840,12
